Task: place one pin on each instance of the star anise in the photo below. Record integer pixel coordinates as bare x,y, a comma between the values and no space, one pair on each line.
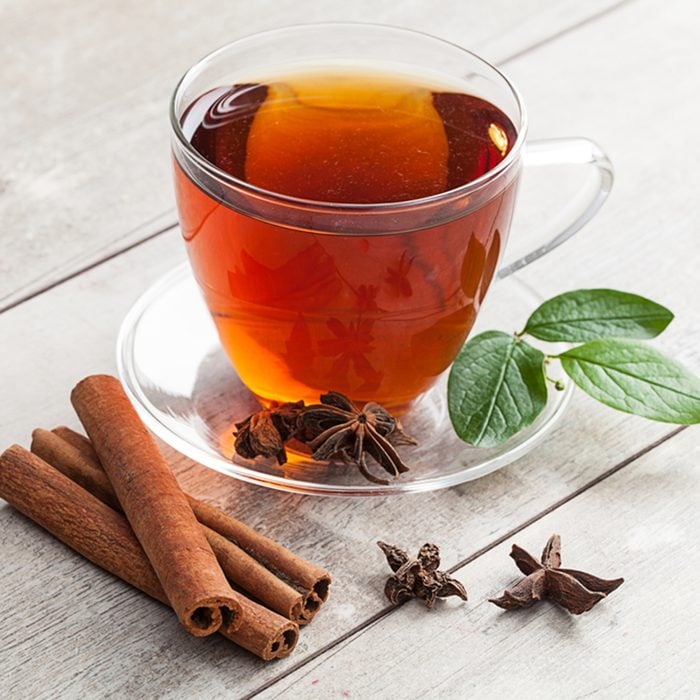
337,428
574,590
419,577
265,433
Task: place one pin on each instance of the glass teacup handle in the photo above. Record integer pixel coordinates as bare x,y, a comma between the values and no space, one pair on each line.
581,209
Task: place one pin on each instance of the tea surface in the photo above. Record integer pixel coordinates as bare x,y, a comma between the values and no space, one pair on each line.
349,138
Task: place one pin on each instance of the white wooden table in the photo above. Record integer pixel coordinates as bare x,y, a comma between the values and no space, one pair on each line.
87,221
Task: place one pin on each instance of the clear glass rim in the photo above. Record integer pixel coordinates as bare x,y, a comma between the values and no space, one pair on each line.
228,179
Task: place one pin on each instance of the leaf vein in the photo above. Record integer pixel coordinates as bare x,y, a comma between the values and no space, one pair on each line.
651,382
597,319
498,385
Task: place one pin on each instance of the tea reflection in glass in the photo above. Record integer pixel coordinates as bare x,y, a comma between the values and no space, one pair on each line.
302,308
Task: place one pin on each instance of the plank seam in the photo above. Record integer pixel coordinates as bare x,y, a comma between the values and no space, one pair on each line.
384,612
564,32
96,263
86,268
566,499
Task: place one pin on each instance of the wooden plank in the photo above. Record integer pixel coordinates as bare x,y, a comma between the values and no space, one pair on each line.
641,523
76,325
339,533
85,137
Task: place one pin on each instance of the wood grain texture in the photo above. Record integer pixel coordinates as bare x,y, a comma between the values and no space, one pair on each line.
339,534
85,169
639,642
645,240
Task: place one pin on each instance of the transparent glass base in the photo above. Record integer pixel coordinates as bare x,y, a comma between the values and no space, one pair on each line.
188,394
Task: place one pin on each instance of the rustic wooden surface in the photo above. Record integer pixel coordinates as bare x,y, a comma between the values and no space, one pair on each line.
87,211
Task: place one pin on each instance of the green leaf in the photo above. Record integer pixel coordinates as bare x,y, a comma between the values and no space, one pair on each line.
496,388
635,378
589,314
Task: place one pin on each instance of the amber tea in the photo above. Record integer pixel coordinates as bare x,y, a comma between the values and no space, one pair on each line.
302,309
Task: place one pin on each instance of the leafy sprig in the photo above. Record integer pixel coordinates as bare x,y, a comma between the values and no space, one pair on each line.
498,383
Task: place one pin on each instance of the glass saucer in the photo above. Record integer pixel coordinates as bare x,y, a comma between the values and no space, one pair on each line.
187,393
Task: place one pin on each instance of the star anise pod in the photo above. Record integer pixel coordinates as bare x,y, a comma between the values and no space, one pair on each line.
264,434
337,428
419,577
574,590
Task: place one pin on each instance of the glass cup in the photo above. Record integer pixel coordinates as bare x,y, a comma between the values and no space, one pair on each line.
370,299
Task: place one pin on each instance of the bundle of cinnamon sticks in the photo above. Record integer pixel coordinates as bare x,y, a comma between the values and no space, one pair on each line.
112,498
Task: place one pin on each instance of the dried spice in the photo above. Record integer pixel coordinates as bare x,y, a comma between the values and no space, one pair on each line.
419,577
337,428
333,429
265,433
574,590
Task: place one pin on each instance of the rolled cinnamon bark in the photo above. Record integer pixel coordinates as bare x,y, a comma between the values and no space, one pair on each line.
103,536
240,568
308,584
76,463
155,507
80,442
312,581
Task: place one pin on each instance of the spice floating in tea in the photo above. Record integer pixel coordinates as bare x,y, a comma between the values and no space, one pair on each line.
574,590
419,577
335,428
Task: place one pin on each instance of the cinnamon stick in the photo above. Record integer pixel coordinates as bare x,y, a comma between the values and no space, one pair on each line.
155,507
81,465
311,580
80,442
76,463
103,536
308,583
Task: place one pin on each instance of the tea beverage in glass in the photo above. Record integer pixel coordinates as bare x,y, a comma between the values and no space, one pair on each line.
345,193
299,311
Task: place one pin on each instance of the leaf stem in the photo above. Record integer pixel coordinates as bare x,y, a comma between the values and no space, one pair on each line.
558,384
